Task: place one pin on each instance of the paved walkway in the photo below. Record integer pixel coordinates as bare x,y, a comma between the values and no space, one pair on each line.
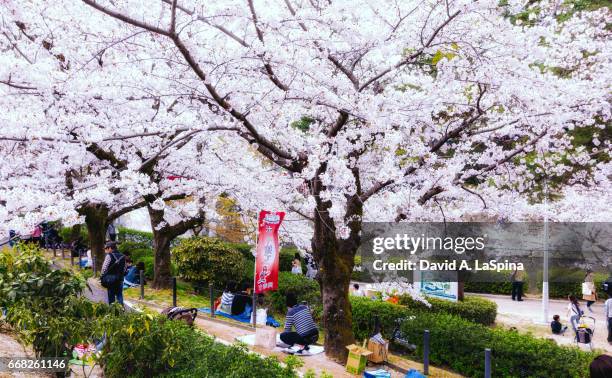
527,316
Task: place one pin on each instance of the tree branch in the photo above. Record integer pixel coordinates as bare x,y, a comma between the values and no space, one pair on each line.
410,58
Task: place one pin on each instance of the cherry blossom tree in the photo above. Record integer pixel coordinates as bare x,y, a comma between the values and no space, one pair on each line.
380,110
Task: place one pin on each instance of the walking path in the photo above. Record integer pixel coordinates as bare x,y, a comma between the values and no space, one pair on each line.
527,316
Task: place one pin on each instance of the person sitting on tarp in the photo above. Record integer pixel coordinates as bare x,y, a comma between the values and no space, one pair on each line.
241,302
227,298
299,316
132,277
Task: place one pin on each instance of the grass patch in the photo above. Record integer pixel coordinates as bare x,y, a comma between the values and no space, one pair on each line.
185,296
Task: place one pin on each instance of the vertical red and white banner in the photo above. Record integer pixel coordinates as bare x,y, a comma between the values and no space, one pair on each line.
266,261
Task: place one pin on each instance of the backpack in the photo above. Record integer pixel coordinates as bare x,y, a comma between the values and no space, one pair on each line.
111,277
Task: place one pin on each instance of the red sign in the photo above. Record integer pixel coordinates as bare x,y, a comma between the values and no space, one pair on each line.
266,261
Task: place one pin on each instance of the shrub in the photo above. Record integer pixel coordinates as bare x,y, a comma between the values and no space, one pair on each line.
149,264
474,309
207,260
135,250
54,331
127,234
563,282
364,311
149,346
28,276
66,234
460,344
304,288
244,248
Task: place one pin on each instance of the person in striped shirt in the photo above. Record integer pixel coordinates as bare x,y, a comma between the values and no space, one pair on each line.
300,318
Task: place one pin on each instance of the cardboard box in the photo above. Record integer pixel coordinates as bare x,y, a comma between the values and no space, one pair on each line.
357,359
380,352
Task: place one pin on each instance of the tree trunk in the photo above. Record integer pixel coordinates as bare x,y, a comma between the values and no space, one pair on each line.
336,259
96,219
334,276
161,245
161,248
162,237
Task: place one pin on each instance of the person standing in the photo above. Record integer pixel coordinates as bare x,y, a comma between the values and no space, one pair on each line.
112,273
112,232
589,293
574,312
296,264
37,236
608,314
517,285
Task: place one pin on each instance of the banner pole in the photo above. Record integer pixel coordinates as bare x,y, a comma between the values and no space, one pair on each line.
255,276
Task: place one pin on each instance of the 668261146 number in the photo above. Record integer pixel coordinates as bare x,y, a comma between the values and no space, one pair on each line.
26,364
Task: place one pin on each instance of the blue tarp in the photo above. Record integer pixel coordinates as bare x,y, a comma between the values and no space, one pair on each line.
245,317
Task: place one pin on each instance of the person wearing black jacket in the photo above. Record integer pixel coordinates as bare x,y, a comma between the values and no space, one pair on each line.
114,263
240,301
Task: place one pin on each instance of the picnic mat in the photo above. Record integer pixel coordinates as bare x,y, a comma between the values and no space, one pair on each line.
314,349
240,318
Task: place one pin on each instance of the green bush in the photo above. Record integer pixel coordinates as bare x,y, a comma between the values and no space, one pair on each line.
66,234
304,288
365,310
127,234
562,283
459,343
27,276
136,250
244,248
150,346
474,309
149,263
207,260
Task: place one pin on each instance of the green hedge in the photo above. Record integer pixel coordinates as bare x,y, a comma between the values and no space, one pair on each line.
151,346
563,282
474,309
304,288
66,232
127,234
459,343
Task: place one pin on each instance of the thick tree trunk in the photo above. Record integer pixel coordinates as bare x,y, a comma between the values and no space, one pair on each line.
335,275
336,259
162,237
161,245
96,219
161,248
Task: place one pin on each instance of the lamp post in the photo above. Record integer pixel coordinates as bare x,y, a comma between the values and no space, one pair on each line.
545,302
